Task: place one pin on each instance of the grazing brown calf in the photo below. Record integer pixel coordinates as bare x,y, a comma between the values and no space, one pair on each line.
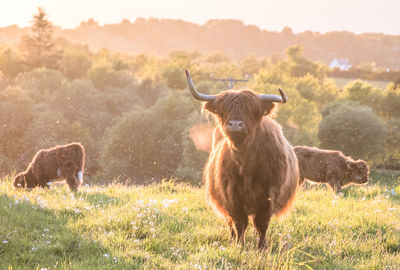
63,161
331,167
252,170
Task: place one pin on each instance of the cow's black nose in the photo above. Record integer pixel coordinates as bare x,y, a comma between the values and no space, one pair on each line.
236,125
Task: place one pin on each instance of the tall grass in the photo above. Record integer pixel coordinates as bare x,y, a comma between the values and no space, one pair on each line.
168,226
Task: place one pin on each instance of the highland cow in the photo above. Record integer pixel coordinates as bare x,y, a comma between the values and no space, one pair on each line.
330,167
252,170
60,162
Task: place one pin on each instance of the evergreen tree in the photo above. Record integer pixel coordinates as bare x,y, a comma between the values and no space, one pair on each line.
38,47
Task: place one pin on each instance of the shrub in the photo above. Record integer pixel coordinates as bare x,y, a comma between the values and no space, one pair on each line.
353,129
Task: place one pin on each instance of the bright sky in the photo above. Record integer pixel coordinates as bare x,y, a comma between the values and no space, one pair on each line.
358,16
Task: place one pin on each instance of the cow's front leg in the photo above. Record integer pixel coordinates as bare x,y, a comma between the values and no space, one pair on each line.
231,226
261,222
334,183
240,221
72,182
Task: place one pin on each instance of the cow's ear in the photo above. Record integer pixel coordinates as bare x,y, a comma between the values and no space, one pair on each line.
269,108
361,164
349,164
210,106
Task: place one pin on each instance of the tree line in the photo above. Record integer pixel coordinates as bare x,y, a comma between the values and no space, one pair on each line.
232,37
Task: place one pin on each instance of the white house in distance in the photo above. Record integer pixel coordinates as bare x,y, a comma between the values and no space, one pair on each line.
340,63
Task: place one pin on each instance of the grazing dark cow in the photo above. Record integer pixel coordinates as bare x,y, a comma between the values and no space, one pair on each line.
63,161
252,170
331,167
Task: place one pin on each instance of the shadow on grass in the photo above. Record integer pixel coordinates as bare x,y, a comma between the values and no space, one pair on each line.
32,237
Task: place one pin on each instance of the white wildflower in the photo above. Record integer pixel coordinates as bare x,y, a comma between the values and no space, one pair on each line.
140,202
167,202
106,255
197,266
4,241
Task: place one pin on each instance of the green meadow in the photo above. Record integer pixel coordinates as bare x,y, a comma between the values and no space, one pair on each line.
169,226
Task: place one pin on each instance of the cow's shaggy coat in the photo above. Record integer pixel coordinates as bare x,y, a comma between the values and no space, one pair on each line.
63,161
252,173
331,167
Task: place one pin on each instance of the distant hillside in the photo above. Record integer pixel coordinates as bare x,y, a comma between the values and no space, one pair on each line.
232,37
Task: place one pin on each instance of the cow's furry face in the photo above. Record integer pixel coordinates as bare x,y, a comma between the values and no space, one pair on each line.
359,171
238,113
19,181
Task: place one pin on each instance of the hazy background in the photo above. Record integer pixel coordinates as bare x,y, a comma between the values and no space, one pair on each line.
358,16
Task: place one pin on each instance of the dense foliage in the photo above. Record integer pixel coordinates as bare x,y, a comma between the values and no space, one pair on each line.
136,118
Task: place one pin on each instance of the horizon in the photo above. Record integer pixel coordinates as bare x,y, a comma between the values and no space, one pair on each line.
339,15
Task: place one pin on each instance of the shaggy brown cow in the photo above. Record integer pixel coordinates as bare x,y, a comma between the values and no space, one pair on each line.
63,161
252,170
331,167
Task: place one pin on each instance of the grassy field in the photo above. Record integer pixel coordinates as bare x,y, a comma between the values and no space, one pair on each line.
168,226
340,82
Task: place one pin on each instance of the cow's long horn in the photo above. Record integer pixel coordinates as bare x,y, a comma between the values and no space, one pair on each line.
274,98
196,93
